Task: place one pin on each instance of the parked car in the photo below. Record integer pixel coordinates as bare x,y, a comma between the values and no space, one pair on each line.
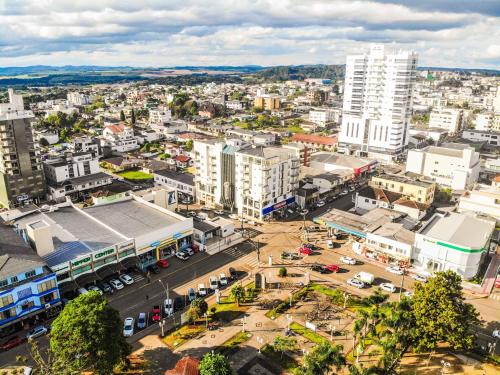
128,327
365,277
182,255
356,283
168,307
191,294
348,260
234,216
310,246
36,332
192,213
408,294
154,268
388,287
330,244
319,268
320,203
496,333
396,270
222,279
163,263
219,212
332,268
344,193
141,320
202,290
305,251
156,313
179,303
233,273
188,250
106,288
94,288
126,279
82,291
418,277
214,284
12,343
117,284
289,256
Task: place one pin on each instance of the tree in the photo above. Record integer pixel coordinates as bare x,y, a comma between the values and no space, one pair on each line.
214,364
283,344
132,117
122,115
197,308
322,358
188,146
87,336
282,272
237,293
441,313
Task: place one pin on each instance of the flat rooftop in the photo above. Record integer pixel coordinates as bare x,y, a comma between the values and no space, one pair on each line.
403,179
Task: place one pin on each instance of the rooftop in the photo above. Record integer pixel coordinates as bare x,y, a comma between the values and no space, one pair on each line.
403,179
397,232
185,178
319,139
344,160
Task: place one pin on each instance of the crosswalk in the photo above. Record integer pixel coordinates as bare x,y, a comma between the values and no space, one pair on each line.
137,277
235,252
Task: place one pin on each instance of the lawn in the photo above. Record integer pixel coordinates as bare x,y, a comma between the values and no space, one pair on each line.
135,175
232,345
228,310
183,334
286,362
307,333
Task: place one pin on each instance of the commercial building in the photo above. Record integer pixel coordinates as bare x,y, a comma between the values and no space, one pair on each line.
483,199
182,183
454,241
267,102
21,175
487,136
265,180
456,166
327,162
418,191
28,288
377,103
391,242
449,119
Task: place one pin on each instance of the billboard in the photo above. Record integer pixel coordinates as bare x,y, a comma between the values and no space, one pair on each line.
277,206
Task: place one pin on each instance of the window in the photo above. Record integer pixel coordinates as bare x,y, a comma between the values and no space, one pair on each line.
30,274
13,279
3,283
6,300
49,284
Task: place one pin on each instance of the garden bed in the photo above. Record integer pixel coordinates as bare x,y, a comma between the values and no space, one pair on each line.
307,333
285,305
181,335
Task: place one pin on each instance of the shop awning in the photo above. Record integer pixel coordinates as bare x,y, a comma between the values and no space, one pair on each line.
130,262
86,279
67,286
108,270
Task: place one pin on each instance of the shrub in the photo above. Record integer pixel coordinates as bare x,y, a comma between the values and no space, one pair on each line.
282,272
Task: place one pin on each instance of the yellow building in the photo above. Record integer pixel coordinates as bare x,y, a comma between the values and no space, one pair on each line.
418,191
267,102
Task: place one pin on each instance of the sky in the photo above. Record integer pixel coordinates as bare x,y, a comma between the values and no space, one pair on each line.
147,33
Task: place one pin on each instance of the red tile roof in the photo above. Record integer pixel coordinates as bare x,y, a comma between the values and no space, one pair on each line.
182,158
318,139
185,366
117,128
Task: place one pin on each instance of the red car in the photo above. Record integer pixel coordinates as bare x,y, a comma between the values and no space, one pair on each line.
305,251
163,263
332,268
12,343
156,315
195,248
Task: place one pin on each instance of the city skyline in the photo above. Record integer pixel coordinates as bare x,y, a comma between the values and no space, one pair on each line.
266,33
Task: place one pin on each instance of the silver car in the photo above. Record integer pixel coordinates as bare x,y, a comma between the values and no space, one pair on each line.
36,332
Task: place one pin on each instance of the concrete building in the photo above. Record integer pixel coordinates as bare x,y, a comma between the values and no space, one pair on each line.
418,191
457,167
449,119
454,241
487,122
327,162
322,117
483,199
159,115
378,103
182,183
77,98
491,138
265,180
85,144
267,102
120,138
28,288
391,242
21,174
316,142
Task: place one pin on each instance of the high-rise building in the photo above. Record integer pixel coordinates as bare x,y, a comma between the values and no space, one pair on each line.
377,103
21,175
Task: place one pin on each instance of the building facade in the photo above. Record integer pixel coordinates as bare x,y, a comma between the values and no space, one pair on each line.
491,138
418,191
446,118
378,103
483,199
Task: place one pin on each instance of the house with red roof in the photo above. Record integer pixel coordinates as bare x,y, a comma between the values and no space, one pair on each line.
185,366
316,142
183,161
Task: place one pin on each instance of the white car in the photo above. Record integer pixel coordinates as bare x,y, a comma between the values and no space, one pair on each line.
95,289
36,332
141,320
117,284
188,250
128,327
219,212
234,216
496,333
388,287
168,307
182,255
348,260
320,203
344,193
408,294
202,291
222,279
356,283
213,283
396,270
126,279
251,222
418,277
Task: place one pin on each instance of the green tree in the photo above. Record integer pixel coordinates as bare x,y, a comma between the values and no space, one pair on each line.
237,293
197,308
283,344
122,115
282,272
214,364
132,117
87,336
188,146
322,358
441,313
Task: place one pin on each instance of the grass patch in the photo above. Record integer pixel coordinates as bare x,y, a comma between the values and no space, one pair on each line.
180,336
286,362
228,310
232,345
135,175
307,333
285,305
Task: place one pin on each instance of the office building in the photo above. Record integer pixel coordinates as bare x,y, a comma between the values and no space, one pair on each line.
487,136
21,174
377,103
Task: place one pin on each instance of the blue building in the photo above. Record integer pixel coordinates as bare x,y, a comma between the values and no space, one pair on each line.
28,288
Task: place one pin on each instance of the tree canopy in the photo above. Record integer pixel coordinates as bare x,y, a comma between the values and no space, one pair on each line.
214,364
197,308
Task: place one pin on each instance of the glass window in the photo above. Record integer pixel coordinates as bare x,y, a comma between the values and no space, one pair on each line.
6,300
30,274
13,279
47,285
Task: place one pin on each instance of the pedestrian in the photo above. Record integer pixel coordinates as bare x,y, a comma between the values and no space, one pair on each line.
147,297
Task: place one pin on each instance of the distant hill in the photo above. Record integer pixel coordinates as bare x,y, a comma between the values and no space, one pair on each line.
300,72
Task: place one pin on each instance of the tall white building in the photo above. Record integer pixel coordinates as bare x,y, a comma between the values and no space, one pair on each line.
377,103
449,119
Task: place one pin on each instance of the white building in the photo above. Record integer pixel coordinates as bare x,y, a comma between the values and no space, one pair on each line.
322,117
265,180
484,199
482,136
454,242
378,102
487,122
182,183
120,138
391,241
446,118
457,168
237,105
77,98
85,144
159,115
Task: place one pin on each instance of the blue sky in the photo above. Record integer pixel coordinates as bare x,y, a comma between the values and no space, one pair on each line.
451,33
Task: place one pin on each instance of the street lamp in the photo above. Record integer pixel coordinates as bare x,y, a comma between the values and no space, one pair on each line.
260,340
304,212
162,324
346,297
165,289
243,324
444,365
290,294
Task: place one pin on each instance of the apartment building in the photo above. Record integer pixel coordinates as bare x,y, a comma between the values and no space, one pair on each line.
483,199
454,166
267,102
417,191
21,174
119,137
377,103
487,122
182,183
77,98
491,138
159,115
449,119
265,180
322,117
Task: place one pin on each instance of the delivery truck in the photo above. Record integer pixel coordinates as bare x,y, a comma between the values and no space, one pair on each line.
365,277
